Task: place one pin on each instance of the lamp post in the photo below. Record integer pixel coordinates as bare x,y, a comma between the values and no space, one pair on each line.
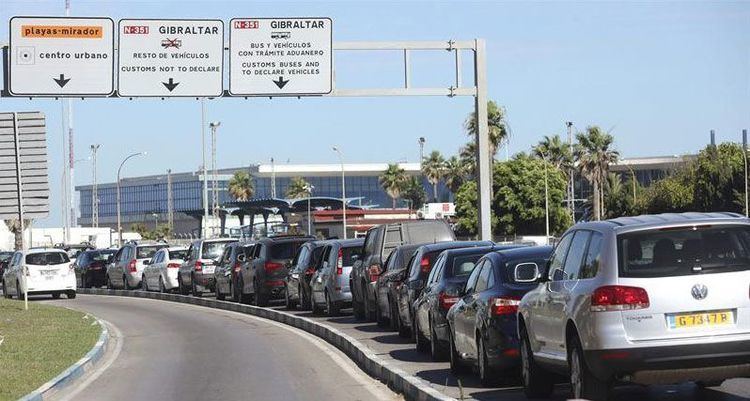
156,220
343,187
744,156
94,188
421,142
546,201
214,174
119,218
309,188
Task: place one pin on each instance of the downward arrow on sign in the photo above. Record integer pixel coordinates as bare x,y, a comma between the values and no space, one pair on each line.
171,84
61,81
281,82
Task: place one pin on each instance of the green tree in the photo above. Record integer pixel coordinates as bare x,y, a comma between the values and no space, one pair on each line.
15,228
468,158
393,181
719,179
557,152
433,168
414,192
519,201
673,194
467,210
298,188
498,129
241,186
618,197
594,155
455,174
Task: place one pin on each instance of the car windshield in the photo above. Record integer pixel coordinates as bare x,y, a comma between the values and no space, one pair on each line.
212,250
178,254
684,251
463,265
147,252
347,253
101,256
47,258
284,250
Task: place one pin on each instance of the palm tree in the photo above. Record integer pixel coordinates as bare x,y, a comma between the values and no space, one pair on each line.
393,181
15,228
298,188
455,174
241,186
498,128
468,158
433,168
557,152
594,155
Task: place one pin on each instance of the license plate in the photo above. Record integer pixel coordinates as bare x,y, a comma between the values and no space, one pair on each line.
208,270
47,273
701,319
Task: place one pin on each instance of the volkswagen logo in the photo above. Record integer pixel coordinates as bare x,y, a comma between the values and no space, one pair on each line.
699,291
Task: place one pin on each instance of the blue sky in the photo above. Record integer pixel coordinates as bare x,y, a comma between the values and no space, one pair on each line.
658,74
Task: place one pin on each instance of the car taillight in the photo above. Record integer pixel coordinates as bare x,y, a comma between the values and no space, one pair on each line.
173,265
131,266
310,271
424,264
618,297
272,266
340,263
374,272
446,301
237,267
504,305
198,265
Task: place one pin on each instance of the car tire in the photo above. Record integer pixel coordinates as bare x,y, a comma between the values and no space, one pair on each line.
437,350
370,313
70,294
332,307
304,302
55,295
457,365
125,283
162,288
219,295
393,320
537,382
5,291
233,290
583,383
194,288
288,303
422,345
316,309
108,280
260,298
379,318
144,283
403,330
487,375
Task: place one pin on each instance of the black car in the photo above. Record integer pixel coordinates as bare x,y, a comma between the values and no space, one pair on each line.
91,267
227,267
482,324
394,273
442,290
301,270
263,276
4,260
418,269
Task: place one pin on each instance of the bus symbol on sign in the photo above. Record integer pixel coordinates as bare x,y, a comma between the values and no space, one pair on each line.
135,29
246,24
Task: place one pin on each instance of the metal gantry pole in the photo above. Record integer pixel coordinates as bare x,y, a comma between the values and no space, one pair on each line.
19,194
343,188
571,171
482,140
205,172
214,174
744,156
170,203
94,188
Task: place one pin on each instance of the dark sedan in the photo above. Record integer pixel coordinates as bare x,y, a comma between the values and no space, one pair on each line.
482,324
301,271
91,267
389,281
442,290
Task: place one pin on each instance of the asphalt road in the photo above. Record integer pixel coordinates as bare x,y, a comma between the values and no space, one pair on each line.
181,352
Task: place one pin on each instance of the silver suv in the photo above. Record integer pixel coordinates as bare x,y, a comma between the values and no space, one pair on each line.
651,299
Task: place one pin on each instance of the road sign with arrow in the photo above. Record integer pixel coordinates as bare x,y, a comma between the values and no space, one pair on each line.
170,58
61,57
280,56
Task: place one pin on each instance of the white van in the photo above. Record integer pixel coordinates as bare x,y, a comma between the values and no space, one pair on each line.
48,271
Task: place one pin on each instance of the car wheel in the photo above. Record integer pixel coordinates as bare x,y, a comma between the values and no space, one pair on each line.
261,299
194,287
55,295
583,383
233,289
403,330
379,318
332,307
437,350
316,309
457,365
71,294
125,283
487,375
219,295
144,283
162,288
109,282
537,382
5,291
422,345
393,320
288,303
370,314
303,300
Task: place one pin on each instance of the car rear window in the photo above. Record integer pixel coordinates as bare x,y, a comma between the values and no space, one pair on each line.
101,256
463,265
285,250
684,251
213,250
47,258
179,254
347,254
147,252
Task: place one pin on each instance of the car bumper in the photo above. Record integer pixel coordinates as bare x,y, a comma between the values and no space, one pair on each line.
502,343
673,364
96,276
273,288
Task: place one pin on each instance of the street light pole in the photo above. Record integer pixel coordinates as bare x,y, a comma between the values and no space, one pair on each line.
744,154
571,189
214,174
546,201
421,152
309,188
205,172
94,188
119,216
343,187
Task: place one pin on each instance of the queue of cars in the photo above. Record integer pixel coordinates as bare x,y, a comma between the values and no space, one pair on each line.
650,299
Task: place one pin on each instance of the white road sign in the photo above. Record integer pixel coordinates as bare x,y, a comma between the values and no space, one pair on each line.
280,56
175,58
52,56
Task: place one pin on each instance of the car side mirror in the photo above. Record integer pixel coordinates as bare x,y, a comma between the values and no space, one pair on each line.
558,275
325,265
241,258
526,273
147,262
355,257
466,291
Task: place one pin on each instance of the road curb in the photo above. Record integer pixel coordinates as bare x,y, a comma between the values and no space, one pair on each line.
74,372
412,387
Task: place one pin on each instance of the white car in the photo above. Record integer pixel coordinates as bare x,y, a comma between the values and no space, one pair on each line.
161,271
47,271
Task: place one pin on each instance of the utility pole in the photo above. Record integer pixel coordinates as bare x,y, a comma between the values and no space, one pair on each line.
170,203
744,154
70,202
214,173
205,173
421,152
94,188
571,187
